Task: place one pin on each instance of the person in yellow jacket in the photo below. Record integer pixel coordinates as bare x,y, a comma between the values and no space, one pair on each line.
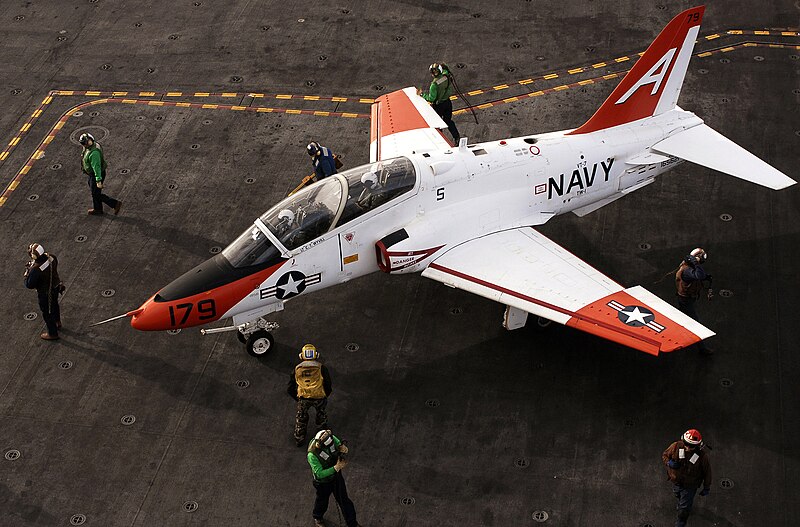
310,386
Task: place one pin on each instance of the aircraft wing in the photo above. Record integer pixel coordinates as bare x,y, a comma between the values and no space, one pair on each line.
403,122
526,270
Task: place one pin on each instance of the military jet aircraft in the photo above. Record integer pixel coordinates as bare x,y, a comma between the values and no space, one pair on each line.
465,215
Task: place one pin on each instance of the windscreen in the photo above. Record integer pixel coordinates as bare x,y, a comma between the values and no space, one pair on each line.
306,215
250,248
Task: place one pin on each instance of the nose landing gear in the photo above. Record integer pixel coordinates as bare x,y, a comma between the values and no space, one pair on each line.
255,335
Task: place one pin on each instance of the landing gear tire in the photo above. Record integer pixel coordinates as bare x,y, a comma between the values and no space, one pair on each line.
241,337
259,343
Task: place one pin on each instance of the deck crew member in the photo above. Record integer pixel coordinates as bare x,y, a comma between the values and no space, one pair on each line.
93,164
690,279
41,273
310,386
326,455
439,96
687,467
322,159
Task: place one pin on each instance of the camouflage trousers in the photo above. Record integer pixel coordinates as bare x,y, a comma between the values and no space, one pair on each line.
301,419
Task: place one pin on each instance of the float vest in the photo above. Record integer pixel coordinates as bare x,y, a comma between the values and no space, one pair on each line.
308,375
443,88
687,289
327,456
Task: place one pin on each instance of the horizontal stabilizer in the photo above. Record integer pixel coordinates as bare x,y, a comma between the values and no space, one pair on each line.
704,146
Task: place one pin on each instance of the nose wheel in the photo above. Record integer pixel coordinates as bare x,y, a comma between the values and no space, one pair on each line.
259,343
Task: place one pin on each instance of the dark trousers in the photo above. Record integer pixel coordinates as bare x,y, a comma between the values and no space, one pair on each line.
98,198
50,312
445,111
685,496
686,306
339,491
301,419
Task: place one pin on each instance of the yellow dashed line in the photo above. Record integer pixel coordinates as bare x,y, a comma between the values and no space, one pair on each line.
294,111
37,113
536,93
24,171
339,99
574,71
3,156
366,101
511,99
229,94
14,142
323,114
749,45
255,95
262,109
725,50
202,94
735,32
761,32
599,65
2,201
147,94
789,33
712,37
117,93
93,93
128,101
775,46
25,127
610,76
283,96
562,87
210,106
705,54
13,185
184,104
349,115
48,139
622,59
550,76
484,106
475,92
155,103
526,81
59,125
239,108
584,83
47,100
174,93
500,87
38,154
65,92
310,97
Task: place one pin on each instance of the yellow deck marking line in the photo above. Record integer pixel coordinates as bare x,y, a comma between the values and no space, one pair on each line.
575,70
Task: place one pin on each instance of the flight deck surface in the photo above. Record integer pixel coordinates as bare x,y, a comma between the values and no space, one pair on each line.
204,110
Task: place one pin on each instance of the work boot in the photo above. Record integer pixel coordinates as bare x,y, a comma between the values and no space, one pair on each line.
319,523
117,207
93,212
48,336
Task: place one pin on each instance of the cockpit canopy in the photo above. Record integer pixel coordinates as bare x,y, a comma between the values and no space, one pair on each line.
323,206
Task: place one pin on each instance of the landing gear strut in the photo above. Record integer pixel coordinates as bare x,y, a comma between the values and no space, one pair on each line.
255,335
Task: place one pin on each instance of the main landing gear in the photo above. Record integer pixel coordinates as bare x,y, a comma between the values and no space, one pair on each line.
255,335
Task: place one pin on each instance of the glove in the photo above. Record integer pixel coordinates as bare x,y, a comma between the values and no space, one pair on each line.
340,464
100,184
343,449
705,492
672,463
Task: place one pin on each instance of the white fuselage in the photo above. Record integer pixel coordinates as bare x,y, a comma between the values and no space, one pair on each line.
465,193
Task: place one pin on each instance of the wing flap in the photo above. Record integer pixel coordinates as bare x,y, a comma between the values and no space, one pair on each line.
524,269
403,122
707,147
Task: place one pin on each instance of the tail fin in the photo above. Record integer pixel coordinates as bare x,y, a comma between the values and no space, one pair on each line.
654,83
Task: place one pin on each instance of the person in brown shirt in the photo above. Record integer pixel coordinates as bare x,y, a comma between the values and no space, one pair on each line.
690,280
687,468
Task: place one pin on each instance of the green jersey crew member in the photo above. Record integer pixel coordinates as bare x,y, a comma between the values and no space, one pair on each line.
93,164
310,386
326,455
439,96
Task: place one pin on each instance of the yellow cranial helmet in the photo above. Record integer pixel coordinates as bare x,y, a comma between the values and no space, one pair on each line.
309,352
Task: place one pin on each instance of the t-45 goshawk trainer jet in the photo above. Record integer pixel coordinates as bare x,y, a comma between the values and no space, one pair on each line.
466,215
